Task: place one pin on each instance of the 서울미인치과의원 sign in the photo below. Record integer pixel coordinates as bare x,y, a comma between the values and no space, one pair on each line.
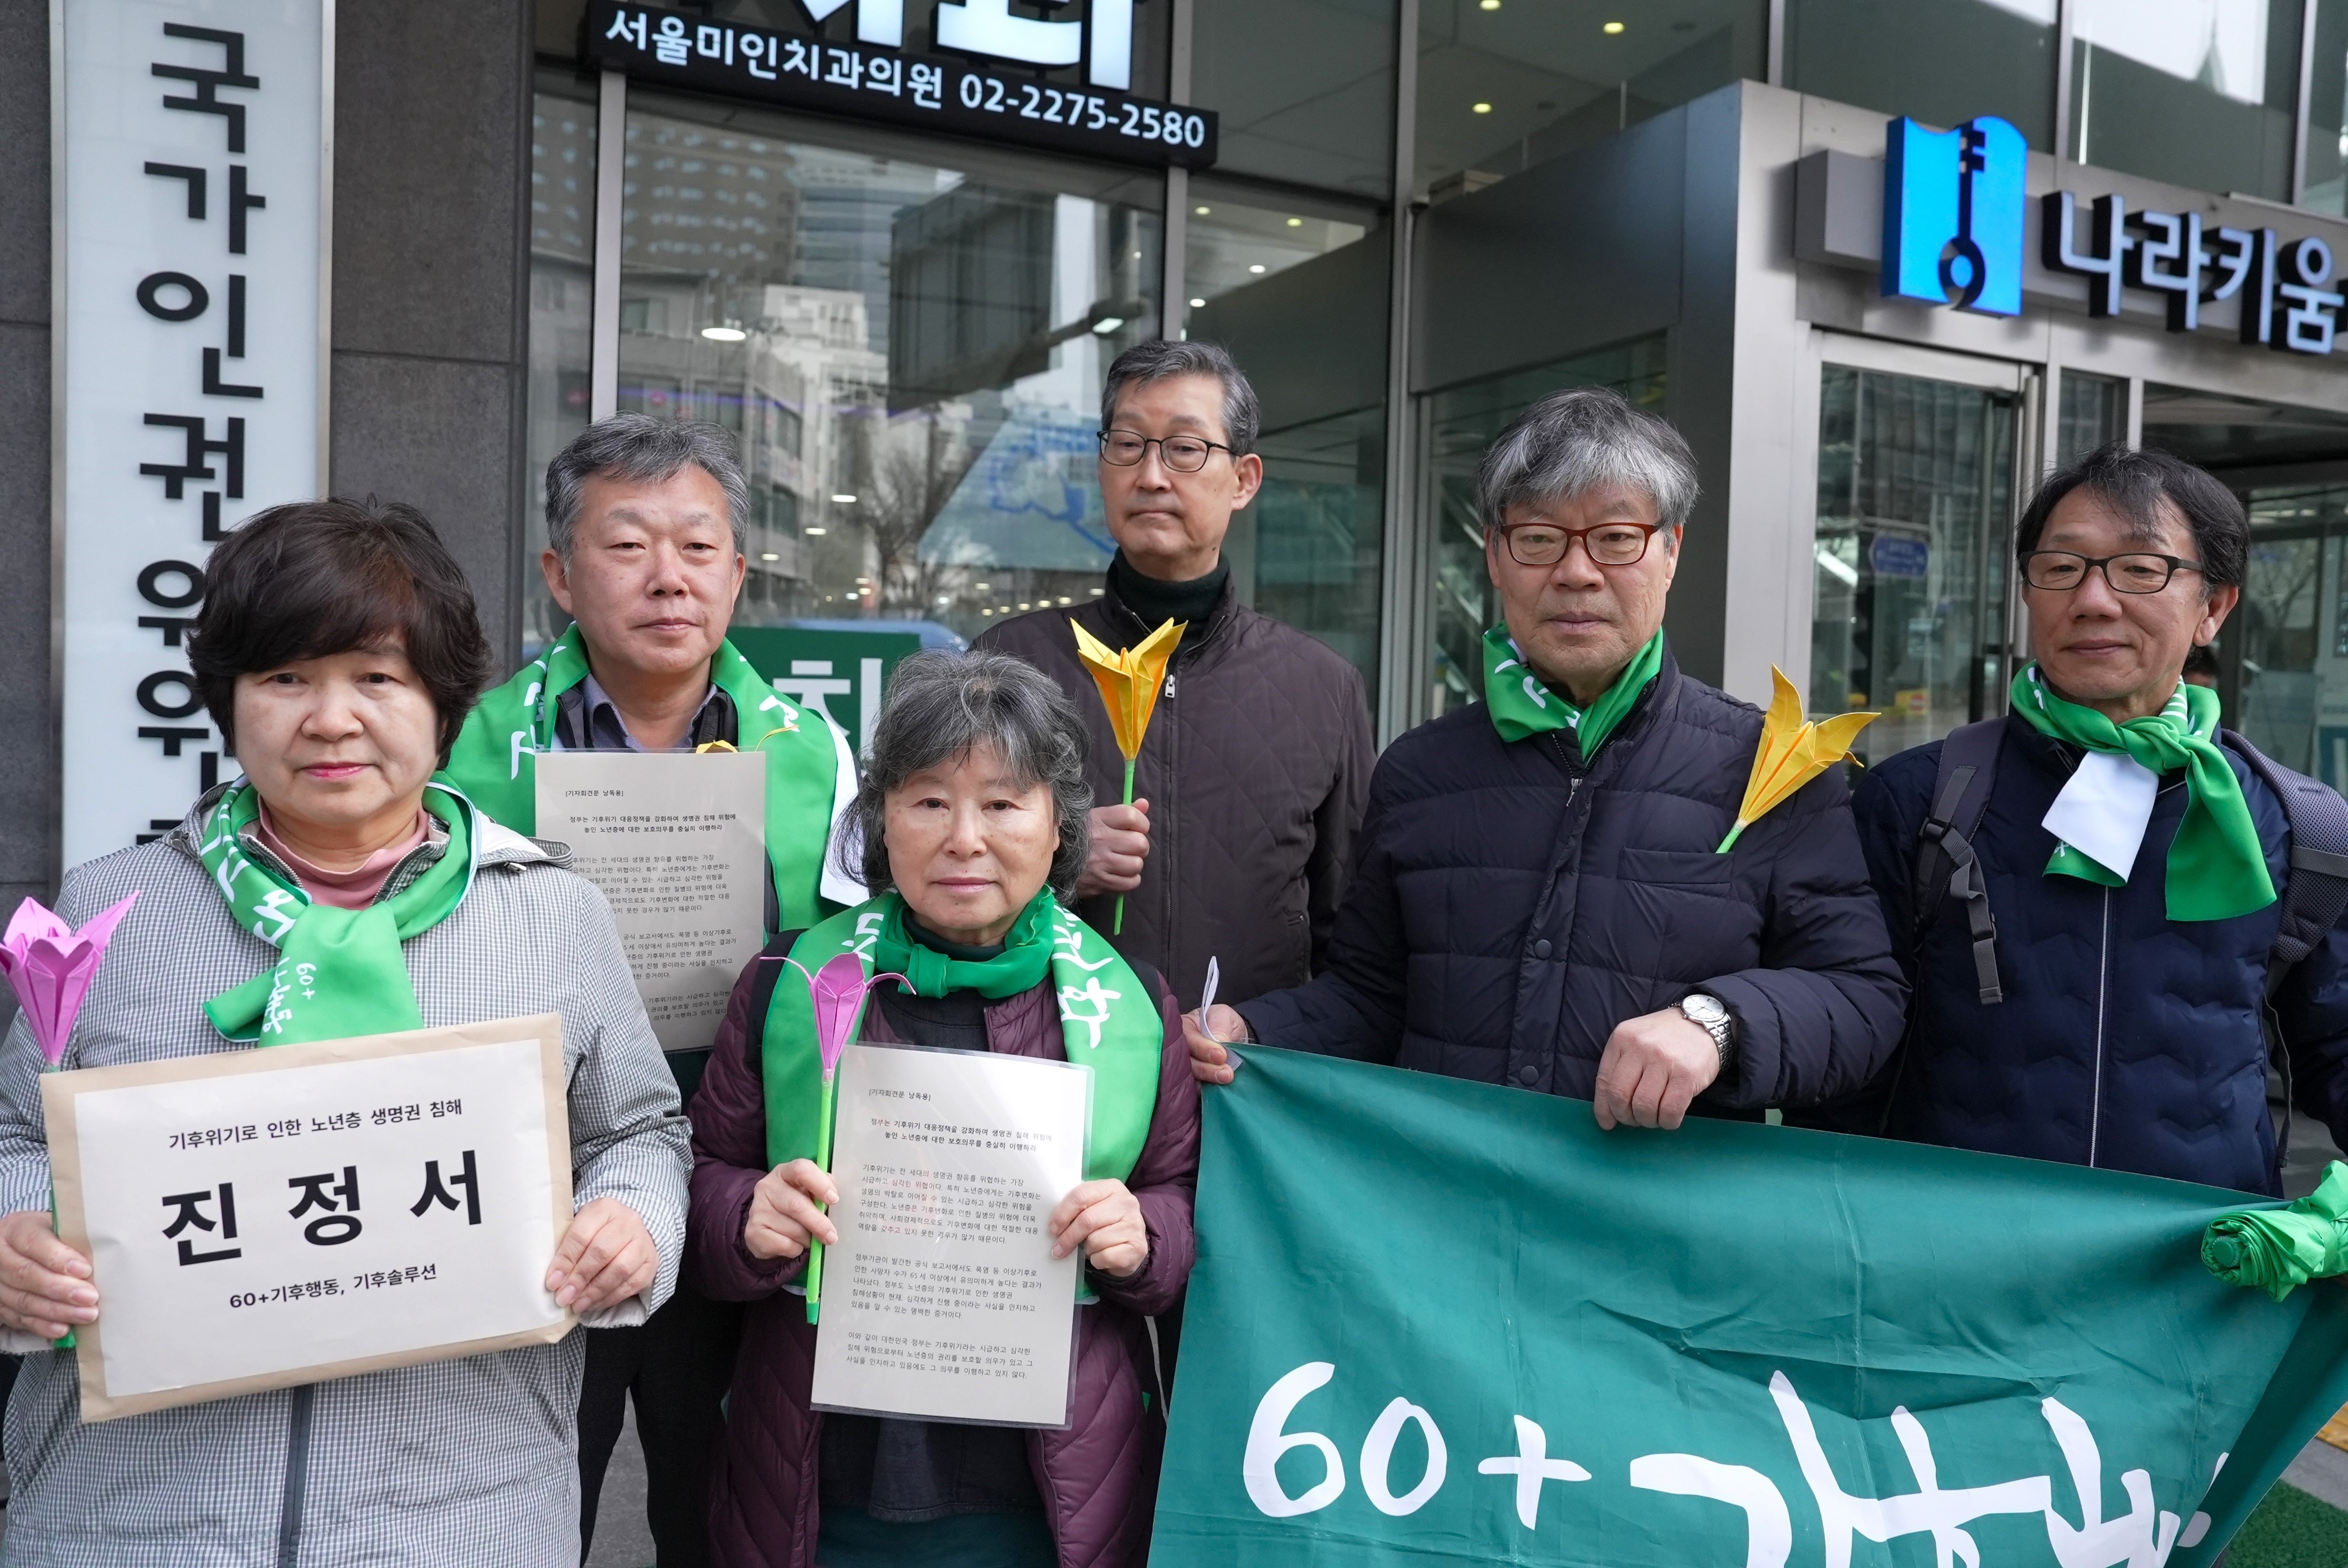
982,81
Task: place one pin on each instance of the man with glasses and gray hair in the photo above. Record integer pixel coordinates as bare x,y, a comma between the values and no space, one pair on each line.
1540,900
2102,897
645,520
1255,764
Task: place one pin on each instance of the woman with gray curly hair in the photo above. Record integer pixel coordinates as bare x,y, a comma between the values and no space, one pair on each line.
972,808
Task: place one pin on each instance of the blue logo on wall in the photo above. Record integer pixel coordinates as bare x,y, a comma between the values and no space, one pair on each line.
1952,206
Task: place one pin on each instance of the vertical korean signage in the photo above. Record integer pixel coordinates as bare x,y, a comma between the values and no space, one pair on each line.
190,210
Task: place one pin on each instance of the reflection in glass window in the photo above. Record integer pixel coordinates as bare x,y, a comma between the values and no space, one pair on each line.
2091,410
1233,243
2288,629
1915,505
1942,61
1306,88
1506,84
2198,92
2220,432
910,354
1307,550
562,313
2327,111
1463,422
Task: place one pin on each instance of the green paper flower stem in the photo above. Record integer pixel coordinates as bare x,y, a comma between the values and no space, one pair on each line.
68,1342
1117,927
823,1162
1730,842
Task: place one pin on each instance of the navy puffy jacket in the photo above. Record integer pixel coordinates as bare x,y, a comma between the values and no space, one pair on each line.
1508,909
2126,1041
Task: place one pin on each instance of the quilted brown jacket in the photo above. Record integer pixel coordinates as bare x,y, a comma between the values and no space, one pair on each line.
1256,767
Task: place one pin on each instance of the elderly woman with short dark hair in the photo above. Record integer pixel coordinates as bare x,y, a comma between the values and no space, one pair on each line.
338,651
973,807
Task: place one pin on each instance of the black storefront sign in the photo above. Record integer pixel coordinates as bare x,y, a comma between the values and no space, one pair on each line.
682,49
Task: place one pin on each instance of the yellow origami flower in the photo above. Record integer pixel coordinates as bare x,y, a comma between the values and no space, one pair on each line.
1792,754
1128,680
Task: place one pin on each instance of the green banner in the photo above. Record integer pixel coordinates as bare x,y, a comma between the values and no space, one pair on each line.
1438,1322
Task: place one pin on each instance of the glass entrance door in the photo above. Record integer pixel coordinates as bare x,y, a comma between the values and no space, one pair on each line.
1915,512
2290,641
2282,656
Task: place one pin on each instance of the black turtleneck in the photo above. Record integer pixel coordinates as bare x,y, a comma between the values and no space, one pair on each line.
1157,602
954,1022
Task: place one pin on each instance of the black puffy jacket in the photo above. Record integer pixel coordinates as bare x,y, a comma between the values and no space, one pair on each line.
2126,1040
1510,905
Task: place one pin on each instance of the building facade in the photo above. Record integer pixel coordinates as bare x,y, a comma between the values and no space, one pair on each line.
1883,264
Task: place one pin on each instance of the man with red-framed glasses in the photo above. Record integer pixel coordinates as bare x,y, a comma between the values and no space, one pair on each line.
1540,899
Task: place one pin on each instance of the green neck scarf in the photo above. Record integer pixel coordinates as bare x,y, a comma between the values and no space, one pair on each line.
2217,870
495,761
339,972
1522,704
1109,1020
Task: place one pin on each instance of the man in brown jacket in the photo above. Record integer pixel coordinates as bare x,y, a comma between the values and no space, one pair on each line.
1257,761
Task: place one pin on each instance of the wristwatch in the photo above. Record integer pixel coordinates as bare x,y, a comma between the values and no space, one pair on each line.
1703,1009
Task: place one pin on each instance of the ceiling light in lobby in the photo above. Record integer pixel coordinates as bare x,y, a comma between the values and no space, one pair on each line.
1483,108
728,331
1611,27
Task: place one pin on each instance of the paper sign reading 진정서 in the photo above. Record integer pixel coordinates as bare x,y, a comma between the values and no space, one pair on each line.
942,1299
676,842
257,1219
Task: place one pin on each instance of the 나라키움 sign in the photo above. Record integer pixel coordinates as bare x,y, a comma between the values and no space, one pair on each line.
1955,205
874,77
1543,1344
190,215
263,1218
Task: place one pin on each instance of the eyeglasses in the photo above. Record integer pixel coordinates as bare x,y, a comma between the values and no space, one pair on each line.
2139,571
1609,544
1183,454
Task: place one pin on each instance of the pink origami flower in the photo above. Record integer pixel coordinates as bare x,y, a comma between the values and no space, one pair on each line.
838,991
50,966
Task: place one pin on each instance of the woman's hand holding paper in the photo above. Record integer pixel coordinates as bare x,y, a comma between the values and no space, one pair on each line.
1105,1217
787,1207
44,1284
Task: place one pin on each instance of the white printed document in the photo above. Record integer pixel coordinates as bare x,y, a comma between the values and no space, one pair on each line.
678,841
942,1300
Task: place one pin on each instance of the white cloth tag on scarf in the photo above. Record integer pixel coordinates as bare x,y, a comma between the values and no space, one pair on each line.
2103,812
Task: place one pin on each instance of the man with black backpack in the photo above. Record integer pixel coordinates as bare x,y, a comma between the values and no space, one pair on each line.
2112,912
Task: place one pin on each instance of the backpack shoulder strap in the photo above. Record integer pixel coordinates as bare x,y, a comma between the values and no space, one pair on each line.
2317,889
1946,866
